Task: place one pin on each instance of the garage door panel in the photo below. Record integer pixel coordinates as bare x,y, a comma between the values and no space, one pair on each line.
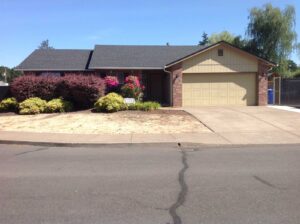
219,89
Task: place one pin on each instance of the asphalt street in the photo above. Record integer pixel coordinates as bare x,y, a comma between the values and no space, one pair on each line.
153,183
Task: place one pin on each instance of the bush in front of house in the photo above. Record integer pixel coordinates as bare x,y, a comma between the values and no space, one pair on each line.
112,102
112,84
9,105
132,88
82,90
144,106
27,86
32,105
58,106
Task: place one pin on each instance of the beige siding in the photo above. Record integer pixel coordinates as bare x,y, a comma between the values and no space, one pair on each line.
209,62
219,89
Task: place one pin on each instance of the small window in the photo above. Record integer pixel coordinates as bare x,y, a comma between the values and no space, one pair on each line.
53,74
220,52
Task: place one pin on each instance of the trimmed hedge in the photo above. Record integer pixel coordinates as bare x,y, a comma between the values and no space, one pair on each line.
82,90
28,86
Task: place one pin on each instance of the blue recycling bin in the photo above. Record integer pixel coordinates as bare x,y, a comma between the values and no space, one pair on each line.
270,96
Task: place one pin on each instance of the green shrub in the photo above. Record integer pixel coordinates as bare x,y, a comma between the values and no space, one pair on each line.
33,105
112,102
8,105
145,106
132,106
58,106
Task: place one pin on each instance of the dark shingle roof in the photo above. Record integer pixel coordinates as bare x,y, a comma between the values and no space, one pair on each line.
125,56
56,60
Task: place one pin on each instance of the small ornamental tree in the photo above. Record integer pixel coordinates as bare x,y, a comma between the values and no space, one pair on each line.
112,84
132,88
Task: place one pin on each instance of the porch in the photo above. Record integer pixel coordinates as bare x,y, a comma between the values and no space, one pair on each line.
156,82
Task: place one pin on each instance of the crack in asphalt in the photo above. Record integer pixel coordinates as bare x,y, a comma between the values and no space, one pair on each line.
183,189
36,150
264,182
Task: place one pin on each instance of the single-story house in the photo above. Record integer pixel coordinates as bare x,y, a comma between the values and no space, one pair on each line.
219,74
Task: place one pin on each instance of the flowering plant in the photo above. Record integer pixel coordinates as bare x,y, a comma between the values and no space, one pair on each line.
132,88
111,81
112,84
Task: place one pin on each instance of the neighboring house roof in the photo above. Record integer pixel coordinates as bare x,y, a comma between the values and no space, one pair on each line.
56,60
155,57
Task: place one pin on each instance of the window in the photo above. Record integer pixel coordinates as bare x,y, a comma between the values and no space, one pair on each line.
220,52
55,74
102,75
121,78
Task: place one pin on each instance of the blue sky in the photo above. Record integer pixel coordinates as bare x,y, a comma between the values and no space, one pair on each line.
83,23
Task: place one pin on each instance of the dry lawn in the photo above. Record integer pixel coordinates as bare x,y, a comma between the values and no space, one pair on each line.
85,122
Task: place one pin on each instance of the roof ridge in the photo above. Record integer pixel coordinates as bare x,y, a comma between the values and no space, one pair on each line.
129,45
60,49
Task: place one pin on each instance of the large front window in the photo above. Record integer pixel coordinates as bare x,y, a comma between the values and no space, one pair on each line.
53,74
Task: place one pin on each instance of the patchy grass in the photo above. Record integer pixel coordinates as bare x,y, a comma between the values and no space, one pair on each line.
86,122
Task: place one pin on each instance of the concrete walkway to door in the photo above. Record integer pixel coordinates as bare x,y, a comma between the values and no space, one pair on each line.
250,125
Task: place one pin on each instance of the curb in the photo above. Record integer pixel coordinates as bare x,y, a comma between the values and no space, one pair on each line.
58,144
94,145
184,145
79,145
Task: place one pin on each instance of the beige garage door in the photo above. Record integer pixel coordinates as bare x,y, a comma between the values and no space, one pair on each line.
219,89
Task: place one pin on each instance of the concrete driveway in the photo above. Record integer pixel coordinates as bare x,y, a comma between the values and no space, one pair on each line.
248,125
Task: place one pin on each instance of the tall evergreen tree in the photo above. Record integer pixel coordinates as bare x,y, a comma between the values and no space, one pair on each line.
45,45
204,40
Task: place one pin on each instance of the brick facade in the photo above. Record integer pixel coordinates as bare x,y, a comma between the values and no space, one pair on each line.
176,72
262,84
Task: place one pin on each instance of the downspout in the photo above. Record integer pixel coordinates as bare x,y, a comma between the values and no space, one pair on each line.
171,85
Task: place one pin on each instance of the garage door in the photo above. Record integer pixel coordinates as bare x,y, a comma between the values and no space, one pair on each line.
219,89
